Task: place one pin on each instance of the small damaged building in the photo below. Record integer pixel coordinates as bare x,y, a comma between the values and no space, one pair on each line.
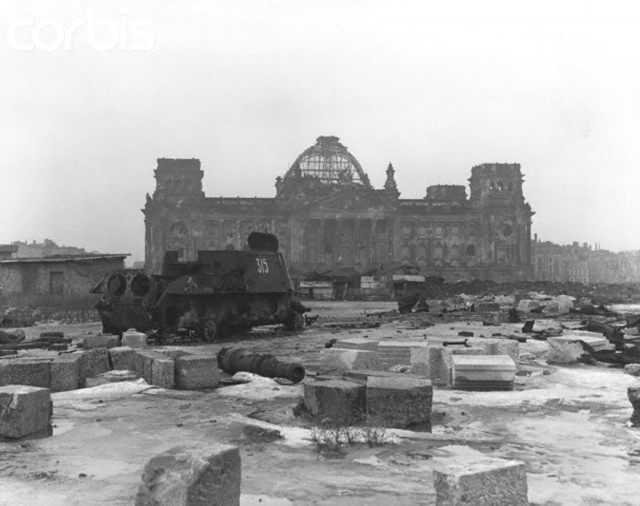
38,281
328,217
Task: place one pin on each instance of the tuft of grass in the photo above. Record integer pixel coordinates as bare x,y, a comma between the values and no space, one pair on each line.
333,439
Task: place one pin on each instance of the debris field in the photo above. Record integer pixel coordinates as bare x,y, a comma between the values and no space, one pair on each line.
426,407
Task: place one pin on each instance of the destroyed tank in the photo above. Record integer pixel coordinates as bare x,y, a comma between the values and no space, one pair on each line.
219,293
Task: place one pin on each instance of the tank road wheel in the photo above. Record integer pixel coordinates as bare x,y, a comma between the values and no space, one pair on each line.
294,322
209,330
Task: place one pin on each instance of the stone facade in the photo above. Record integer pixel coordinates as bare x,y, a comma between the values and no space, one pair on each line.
327,216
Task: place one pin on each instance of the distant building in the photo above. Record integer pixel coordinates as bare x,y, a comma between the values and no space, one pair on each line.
37,281
581,263
7,251
328,217
46,248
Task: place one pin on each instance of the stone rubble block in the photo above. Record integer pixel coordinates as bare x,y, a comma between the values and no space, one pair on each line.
24,410
357,343
99,341
192,476
482,482
193,372
419,361
122,358
337,401
392,353
65,372
156,368
482,372
26,371
566,349
364,374
399,402
450,351
93,363
509,347
134,339
172,353
335,360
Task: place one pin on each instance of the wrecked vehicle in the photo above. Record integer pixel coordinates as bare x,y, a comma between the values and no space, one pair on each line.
221,292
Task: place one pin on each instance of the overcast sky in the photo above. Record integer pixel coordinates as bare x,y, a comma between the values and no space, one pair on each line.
91,94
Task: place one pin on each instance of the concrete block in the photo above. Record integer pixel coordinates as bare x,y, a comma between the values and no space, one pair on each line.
99,341
335,360
482,372
134,339
65,372
25,371
192,476
24,410
122,358
93,363
193,372
156,368
483,482
399,402
357,343
338,401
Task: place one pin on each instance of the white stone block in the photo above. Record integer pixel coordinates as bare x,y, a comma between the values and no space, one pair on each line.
483,482
134,339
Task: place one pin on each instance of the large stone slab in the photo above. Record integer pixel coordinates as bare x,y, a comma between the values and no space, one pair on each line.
335,401
65,372
509,347
134,339
156,369
335,360
25,371
193,372
94,362
399,402
357,343
192,476
566,349
122,358
483,482
24,410
392,353
445,375
99,341
482,372
363,374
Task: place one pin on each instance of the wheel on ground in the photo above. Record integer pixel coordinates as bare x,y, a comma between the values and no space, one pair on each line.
209,330
295,322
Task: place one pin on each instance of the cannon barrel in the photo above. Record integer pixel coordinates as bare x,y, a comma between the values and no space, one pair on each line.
236,359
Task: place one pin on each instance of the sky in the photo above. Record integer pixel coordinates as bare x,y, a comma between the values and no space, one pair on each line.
92,93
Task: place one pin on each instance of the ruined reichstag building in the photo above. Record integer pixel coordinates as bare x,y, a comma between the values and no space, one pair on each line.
327,217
